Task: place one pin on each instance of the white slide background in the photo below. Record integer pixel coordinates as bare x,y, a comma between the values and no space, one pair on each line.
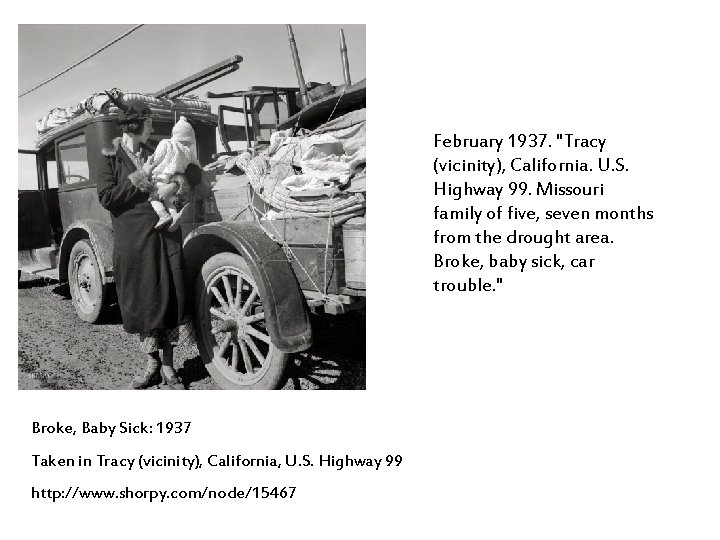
564,405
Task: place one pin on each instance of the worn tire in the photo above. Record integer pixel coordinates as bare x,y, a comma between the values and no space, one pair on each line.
88,292
240,355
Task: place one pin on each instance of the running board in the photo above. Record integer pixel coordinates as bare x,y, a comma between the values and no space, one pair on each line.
41,271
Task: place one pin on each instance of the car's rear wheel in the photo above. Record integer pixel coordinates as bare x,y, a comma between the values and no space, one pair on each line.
87,289
230,324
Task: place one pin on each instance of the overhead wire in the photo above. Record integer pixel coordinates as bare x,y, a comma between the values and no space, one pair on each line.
115,40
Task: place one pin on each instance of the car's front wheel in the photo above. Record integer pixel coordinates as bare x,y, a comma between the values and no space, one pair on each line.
230,325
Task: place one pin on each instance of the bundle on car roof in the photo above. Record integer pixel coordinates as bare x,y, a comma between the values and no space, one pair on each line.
98,104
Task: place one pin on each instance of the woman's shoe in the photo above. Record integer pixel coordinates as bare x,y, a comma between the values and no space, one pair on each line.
146,380
174,382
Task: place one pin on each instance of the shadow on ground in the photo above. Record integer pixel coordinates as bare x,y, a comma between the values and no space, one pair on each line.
336,361
193,370
34,282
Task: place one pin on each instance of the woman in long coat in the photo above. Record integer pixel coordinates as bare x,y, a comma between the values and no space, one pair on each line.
147,262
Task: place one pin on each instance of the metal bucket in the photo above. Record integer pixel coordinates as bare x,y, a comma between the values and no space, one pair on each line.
354,246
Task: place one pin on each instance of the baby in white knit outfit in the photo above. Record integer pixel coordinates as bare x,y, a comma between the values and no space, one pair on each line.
166,166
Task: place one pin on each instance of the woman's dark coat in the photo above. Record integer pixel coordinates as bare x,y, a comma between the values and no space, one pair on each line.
147,263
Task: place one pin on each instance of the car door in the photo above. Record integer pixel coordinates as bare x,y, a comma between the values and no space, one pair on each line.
38,213
77,191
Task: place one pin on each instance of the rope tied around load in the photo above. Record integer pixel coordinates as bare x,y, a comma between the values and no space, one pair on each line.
290,254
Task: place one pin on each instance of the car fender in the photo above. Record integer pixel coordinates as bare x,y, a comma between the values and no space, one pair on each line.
286,314
101,239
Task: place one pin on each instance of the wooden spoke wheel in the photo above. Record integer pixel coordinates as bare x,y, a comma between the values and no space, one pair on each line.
87,289
230,321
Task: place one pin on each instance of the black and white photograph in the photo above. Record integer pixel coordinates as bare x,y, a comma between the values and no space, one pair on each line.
191,206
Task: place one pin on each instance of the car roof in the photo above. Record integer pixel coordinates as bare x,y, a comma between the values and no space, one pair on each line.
157,113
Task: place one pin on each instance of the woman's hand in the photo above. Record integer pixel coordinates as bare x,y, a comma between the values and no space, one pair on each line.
149,165
166,190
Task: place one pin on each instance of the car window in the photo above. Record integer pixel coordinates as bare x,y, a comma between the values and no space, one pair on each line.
73,161
27,172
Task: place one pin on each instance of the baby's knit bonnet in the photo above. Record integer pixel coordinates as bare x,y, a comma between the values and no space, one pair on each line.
183,131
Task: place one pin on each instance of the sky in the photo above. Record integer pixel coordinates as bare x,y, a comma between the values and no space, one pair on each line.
157,55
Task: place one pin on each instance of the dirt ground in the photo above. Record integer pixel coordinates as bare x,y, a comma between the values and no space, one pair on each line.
58,351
